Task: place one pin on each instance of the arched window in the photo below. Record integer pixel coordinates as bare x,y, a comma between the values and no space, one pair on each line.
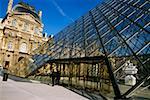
14,22
34,46
10,45
36,30
39,44
20,58
26,26
23,48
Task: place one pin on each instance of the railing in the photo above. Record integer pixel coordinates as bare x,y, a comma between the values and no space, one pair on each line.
92,77
88,73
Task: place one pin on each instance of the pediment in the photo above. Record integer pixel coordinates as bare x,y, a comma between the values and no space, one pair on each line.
27,17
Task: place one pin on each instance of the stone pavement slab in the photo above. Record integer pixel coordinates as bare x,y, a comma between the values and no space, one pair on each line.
13,90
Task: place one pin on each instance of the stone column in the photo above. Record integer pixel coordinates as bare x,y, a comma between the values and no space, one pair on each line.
10,3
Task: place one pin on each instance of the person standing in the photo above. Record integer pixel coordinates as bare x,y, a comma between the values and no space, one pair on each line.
57,76
53,77
5,73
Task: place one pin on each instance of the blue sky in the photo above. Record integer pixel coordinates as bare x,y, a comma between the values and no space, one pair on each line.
57,14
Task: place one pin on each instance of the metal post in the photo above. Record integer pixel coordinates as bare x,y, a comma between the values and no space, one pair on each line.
63,73
97,78
84,76
69,75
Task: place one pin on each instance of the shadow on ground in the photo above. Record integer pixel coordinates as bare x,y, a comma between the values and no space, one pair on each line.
87,94
17,79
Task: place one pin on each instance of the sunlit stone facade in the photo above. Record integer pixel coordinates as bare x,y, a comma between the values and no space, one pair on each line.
20,33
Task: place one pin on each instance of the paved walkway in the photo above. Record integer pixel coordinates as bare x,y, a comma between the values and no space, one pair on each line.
13,90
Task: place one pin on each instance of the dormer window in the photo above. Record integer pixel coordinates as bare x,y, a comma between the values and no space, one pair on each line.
14,22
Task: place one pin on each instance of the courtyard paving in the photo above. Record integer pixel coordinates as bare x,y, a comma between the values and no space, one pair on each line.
14,90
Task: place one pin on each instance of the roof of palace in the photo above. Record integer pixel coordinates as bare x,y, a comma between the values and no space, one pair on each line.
26,8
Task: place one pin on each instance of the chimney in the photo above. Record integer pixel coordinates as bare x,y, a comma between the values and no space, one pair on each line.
40,14
10,3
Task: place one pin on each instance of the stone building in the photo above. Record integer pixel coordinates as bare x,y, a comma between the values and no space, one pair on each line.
20,33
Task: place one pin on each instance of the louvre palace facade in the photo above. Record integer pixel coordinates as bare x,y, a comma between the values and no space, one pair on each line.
20,33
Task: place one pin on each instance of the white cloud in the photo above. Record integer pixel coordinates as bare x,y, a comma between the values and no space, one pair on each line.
1,19
61,10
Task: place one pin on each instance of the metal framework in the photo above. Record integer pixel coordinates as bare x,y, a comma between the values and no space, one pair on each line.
93,50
